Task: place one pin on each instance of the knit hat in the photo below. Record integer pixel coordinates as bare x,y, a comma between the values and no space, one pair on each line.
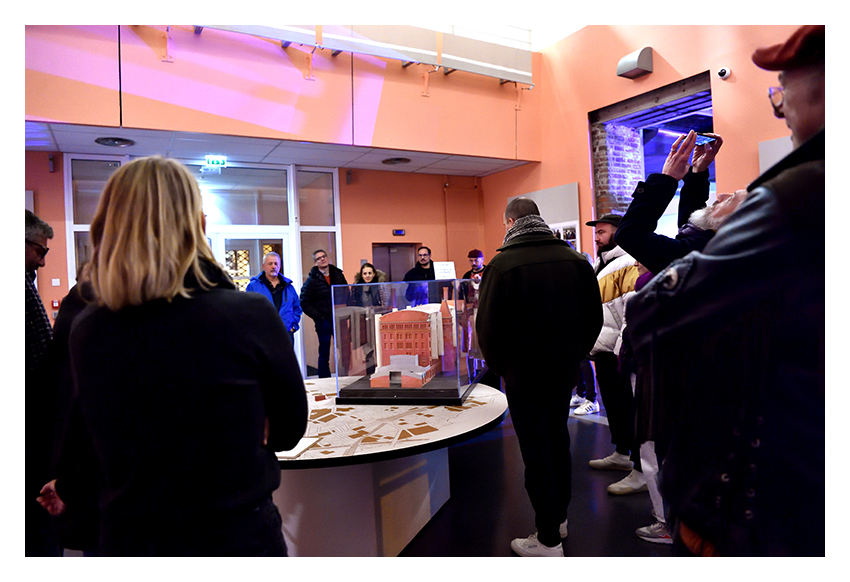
474,254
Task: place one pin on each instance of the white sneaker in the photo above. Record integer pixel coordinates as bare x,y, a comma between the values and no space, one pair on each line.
614,461
531,548
657,533
577,400
589,407
633,483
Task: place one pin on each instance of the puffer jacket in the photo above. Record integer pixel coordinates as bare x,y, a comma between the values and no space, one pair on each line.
316,297
366,296
616,284
290,306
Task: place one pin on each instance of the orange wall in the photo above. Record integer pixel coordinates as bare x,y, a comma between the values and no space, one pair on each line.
49,204
447,220
222,82
578,75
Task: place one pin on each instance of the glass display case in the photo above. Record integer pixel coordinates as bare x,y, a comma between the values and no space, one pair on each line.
408,343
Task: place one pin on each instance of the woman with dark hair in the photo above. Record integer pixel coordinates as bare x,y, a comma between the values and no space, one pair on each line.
367,296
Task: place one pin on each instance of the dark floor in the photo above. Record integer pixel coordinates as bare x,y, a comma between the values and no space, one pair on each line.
489,507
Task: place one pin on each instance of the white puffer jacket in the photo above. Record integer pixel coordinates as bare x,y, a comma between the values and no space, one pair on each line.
616,285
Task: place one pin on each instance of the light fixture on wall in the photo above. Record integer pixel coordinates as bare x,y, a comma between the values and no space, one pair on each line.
636,64
115,142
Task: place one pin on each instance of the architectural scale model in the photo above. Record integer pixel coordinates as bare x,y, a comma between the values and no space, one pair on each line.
414,345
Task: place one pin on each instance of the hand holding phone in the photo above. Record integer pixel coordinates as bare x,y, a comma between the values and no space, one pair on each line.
703,139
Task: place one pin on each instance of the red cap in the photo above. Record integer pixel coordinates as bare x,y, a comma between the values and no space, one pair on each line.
806,46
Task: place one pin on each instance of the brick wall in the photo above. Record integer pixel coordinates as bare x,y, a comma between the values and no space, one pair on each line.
617,156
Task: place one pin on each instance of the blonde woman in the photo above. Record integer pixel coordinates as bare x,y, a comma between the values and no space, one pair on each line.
186,386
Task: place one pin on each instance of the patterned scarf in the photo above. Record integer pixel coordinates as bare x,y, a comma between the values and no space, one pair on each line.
529,224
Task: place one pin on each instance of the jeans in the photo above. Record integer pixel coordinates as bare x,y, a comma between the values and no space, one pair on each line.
619,401
325,331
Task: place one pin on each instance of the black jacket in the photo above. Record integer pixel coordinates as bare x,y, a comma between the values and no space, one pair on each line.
539,309
636,233
316,299
735,335
175,396
421,294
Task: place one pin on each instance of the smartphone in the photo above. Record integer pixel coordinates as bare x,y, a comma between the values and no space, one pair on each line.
703,139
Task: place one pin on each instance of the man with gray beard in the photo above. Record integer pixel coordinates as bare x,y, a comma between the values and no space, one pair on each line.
697,222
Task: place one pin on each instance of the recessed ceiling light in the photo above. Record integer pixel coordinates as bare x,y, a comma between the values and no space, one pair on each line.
396,161
115,142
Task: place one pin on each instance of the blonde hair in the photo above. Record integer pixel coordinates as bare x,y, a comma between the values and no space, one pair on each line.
148,234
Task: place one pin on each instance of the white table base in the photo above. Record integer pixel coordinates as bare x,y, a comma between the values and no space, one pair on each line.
366,509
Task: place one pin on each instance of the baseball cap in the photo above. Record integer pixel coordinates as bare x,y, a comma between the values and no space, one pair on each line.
806,46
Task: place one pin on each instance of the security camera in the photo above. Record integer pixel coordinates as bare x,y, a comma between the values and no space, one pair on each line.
724,72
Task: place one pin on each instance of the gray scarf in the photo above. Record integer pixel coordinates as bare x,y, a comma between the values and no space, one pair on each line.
529,224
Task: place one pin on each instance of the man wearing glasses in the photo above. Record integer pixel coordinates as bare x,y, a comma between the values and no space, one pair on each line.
738,331
423,270
39,393
317,303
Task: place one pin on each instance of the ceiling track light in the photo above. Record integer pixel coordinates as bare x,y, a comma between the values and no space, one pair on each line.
395,161
115,142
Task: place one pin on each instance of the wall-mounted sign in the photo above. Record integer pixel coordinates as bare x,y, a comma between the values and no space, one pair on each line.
444,270
398,232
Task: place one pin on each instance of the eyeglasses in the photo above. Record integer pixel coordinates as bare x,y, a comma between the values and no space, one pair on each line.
40,249
319,258
776,96
424,255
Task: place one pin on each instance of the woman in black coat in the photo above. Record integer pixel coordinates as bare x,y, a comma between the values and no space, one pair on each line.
186,386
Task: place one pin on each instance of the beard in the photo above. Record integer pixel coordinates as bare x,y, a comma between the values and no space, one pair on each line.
703,219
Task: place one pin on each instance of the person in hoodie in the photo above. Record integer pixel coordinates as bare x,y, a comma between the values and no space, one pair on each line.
280,291
317,303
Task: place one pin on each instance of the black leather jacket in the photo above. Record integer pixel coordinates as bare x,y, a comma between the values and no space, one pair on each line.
735,336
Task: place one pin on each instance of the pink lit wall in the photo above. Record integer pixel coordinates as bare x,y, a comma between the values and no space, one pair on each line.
236,84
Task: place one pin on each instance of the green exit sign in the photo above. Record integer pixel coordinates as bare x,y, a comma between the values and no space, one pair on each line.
220,161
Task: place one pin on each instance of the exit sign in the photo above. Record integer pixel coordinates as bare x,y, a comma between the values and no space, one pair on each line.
220,161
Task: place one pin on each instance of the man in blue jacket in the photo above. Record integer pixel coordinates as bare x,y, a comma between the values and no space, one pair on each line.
279,290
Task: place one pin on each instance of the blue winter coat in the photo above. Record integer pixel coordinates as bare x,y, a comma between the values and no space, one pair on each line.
290,307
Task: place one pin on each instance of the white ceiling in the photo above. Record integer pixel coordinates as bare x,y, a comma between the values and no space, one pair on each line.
193,147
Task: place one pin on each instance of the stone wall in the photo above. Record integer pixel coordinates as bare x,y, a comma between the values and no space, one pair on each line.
617,157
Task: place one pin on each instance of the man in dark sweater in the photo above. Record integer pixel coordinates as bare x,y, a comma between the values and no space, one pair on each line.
539,315
317,303
423,270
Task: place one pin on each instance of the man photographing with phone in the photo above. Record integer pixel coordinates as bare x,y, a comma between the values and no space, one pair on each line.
687,161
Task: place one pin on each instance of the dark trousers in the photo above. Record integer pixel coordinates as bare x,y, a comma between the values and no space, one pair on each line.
244,533
586,385
616,392
325,331
540,421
